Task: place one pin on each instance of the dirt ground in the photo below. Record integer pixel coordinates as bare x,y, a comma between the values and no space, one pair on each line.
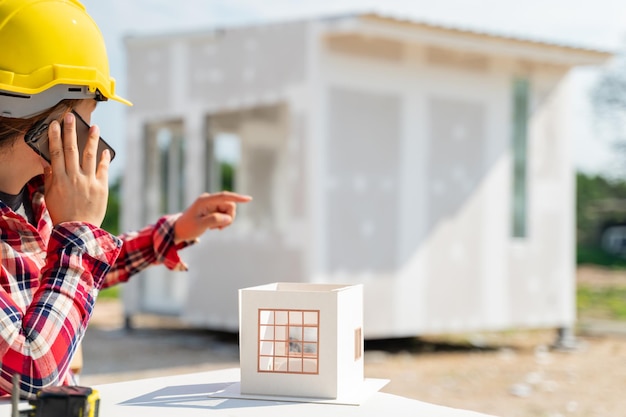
511,374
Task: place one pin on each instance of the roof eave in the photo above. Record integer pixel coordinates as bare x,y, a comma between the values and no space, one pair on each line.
372,24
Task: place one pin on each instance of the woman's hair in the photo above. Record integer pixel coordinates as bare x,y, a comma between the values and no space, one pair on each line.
12,128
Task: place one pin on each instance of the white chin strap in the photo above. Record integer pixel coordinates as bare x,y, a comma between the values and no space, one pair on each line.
17,105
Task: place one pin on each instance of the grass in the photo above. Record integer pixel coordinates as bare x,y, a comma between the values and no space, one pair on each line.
109,293
605,302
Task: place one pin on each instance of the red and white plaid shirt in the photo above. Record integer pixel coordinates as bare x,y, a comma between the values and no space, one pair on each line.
49,282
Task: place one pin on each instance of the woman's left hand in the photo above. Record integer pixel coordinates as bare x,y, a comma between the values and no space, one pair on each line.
209,211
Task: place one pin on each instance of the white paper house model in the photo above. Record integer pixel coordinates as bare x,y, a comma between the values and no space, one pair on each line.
301,340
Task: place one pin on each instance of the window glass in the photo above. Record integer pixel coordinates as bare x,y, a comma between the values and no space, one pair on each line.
521,87
287,343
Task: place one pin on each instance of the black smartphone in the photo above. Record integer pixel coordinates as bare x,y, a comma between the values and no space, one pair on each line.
37,137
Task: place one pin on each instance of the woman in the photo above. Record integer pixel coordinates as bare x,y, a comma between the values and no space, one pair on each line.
54,255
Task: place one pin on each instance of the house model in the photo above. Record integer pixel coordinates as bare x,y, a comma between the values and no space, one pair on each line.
432,164
301,340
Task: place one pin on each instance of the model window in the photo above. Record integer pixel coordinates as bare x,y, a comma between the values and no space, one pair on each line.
288,341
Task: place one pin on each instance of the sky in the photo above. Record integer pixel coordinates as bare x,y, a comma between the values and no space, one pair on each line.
599,24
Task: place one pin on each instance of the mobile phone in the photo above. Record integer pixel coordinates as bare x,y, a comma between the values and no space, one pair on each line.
37,137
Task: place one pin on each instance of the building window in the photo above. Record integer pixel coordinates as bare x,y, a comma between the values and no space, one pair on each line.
521,92
164,169
243,153
288,341
222,162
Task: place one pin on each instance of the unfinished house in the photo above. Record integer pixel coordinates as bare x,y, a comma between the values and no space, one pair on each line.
430,164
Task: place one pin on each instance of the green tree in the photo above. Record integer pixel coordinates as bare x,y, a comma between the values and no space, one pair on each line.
599,202
227,172
608,98
111,221
596,195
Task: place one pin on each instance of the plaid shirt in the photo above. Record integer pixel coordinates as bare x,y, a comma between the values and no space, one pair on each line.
49,282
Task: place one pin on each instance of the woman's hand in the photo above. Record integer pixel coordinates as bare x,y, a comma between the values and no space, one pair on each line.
75,190
209,211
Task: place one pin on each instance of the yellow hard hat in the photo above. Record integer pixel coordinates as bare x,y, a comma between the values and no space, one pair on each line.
50,50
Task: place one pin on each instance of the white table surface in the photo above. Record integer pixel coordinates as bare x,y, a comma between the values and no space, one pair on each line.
188,395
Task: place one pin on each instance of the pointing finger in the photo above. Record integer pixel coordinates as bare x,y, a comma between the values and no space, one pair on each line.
228,196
